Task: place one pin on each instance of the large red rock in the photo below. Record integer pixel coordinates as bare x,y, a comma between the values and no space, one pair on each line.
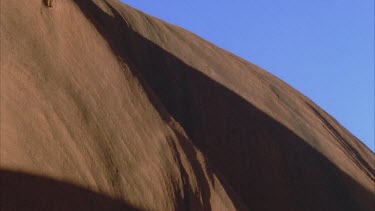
106,108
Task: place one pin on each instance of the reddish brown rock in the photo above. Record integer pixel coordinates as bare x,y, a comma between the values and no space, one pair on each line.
106,108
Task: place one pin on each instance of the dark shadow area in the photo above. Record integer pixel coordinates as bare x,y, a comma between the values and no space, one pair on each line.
190,200
20,191
266,164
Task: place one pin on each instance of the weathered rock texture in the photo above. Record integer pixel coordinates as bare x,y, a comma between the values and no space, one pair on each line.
106,108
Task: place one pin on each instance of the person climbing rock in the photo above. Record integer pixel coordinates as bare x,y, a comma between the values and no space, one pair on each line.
49,3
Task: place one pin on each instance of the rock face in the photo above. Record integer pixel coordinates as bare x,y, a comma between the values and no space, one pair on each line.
106,108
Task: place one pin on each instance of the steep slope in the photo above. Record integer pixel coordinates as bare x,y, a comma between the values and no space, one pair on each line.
101,101
72,112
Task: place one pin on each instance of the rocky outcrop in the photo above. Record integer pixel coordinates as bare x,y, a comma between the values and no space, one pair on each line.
104,107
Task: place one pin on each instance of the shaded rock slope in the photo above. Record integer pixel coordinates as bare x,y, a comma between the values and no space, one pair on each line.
106,108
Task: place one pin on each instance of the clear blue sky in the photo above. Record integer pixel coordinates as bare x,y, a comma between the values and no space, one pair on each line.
324,49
